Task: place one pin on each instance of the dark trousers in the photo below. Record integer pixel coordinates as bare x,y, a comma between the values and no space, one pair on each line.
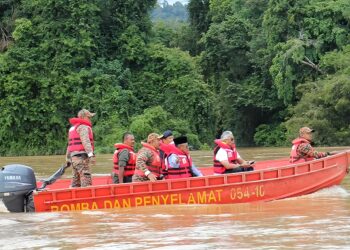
236,170
126,179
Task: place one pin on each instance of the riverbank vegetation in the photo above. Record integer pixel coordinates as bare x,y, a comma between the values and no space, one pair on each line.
259,68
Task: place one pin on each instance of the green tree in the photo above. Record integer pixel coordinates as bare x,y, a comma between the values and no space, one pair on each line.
8,13
156,119
119,17
199,24
60,62
226,46
174,83
325,103
299,33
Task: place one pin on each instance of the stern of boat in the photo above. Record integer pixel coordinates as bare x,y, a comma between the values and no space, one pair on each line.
17,183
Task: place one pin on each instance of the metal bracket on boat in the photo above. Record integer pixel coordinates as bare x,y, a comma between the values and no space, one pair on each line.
55,176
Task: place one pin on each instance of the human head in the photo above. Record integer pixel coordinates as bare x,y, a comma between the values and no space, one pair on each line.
129,139
227,137
167,137
154,140
182,143
306,133
85,114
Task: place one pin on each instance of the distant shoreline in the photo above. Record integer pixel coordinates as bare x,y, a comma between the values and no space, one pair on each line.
171,2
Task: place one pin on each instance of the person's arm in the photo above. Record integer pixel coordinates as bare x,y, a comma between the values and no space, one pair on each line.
67,155
123,159
222,157
195,171
306,150
83,132
142,160
173,161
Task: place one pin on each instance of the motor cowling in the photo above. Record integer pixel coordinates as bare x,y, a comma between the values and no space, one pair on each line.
17,183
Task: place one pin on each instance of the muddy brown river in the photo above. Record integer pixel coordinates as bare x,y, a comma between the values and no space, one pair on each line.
316,221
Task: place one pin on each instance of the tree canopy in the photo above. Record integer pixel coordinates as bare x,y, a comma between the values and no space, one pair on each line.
259,68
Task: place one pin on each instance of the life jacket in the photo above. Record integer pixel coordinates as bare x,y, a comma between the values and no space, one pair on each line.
166,148
164,151
294,156
231,154
74,142
129,169
184,170
155,166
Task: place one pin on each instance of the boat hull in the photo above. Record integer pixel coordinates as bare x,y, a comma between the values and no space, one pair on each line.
265,184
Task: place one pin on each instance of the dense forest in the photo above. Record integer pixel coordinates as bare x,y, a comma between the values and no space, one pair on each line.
259,68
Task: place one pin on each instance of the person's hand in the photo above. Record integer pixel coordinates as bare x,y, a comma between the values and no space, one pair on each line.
245,164
233,166
92,159
177,160
68,164
152,177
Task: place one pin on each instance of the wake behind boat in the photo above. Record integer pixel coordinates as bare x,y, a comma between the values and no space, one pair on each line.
271,180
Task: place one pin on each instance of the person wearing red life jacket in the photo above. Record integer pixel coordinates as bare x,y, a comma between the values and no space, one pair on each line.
148,162
302,150
179,162
226,158
166,144
167,137
80,150
124,159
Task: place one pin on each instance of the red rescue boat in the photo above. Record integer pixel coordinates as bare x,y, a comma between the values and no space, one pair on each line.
271,180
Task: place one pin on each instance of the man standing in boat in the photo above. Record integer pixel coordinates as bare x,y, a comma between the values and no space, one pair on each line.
148,162
80,150
226,158
302,150
124,159
179,162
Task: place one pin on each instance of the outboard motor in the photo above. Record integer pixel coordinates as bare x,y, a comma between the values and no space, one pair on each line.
17,183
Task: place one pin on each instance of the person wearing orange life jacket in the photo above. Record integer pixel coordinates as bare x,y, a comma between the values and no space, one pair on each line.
302,150
226,158
179,162
80,150
148,162
124,159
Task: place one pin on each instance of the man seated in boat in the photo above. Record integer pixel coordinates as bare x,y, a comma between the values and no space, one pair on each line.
226,158
167,137
179,162
302,150
166,143
124,159
148,163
